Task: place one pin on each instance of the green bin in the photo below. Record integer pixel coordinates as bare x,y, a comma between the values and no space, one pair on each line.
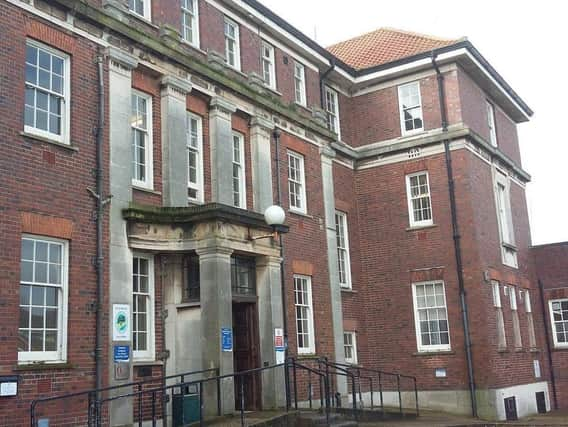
185,409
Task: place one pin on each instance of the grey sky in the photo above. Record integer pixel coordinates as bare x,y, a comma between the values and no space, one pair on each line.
524,41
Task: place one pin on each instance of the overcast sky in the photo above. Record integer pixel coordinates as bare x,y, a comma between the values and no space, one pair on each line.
525,41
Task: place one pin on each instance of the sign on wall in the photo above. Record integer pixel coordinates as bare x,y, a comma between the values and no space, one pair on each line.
279,346
8,386
121,353
121,322
227,339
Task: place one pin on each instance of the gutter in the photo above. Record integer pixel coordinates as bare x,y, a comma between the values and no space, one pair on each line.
322,84
457,240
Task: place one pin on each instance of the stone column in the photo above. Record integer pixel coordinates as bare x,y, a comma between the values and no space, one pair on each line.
121,64
327,156
216,313
174,141
221,138
260,137
270,316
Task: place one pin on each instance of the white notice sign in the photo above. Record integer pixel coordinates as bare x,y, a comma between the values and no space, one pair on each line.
8,389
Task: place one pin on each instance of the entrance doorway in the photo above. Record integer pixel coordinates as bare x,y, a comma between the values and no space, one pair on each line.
246,355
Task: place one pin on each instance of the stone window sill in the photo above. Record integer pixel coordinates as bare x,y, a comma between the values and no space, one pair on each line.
348,290
146,190
37,138
312,356
422,227
434,353
188,305
44,366
302,214
138,363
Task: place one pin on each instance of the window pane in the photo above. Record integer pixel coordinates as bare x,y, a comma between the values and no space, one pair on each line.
24,317
38,297
23,340
25,293
37,340
26,271
51,341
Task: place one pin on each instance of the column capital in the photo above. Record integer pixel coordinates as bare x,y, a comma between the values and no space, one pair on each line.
262,123
212,251
327,152
175,86
122,59
222,105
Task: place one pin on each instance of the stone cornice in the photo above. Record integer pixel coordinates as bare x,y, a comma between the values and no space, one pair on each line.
173,50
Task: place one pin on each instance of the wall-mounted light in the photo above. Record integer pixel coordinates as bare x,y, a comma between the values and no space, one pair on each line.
274,217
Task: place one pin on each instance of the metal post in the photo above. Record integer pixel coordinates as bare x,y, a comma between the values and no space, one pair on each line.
354,397
98,416
201,421
218,395
32,415
295,385
327,408
310,388
416,397
287,383
371,386
381,391
140,405
91,410
242,401
360,394
399,393
321,380
154,420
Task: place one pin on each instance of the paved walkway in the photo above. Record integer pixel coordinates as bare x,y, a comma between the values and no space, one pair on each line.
556,418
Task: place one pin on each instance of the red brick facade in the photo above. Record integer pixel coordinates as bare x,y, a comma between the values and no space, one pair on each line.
45,192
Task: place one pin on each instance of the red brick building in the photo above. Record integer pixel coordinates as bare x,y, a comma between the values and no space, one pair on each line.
394,155
551,263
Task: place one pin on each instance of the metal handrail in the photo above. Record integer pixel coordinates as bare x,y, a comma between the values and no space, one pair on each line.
339,370
382,373
324,391
95,392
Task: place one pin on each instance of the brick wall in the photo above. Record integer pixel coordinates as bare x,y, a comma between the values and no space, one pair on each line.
51,183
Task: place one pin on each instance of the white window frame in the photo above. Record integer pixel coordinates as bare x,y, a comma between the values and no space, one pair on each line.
150,353
300,84
236,40
496,294
502,190
401,107
491,124
240,163
332,110
342,234
193,18
311,349
147,9
352,360
303,209
410,198
436,347
557,344
60,355
268,64
64,137
148,183
196,186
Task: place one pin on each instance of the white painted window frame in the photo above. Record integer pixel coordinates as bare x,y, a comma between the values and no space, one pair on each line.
404,132
193,17
150,353
300,84
199,185
429,348
242,169
59,356
341,225
502,191
311,349
236,40
149,148
269,62
65,137
491,124
409,198
302,183
353,360
557,344
147,9
332,110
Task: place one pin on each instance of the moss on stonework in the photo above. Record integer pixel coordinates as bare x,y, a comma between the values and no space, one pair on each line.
169,48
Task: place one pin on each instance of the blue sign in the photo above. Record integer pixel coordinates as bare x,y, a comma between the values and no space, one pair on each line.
227,339
121,353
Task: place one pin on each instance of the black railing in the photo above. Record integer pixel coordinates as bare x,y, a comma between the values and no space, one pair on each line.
381,376
95,397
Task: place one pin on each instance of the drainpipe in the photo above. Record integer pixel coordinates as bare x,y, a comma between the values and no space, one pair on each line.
100,204
548,347
276,135
456,237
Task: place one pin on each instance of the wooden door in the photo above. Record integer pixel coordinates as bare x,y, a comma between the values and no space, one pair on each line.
246,355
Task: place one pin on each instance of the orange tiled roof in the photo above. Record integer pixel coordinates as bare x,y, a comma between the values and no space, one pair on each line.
385,45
